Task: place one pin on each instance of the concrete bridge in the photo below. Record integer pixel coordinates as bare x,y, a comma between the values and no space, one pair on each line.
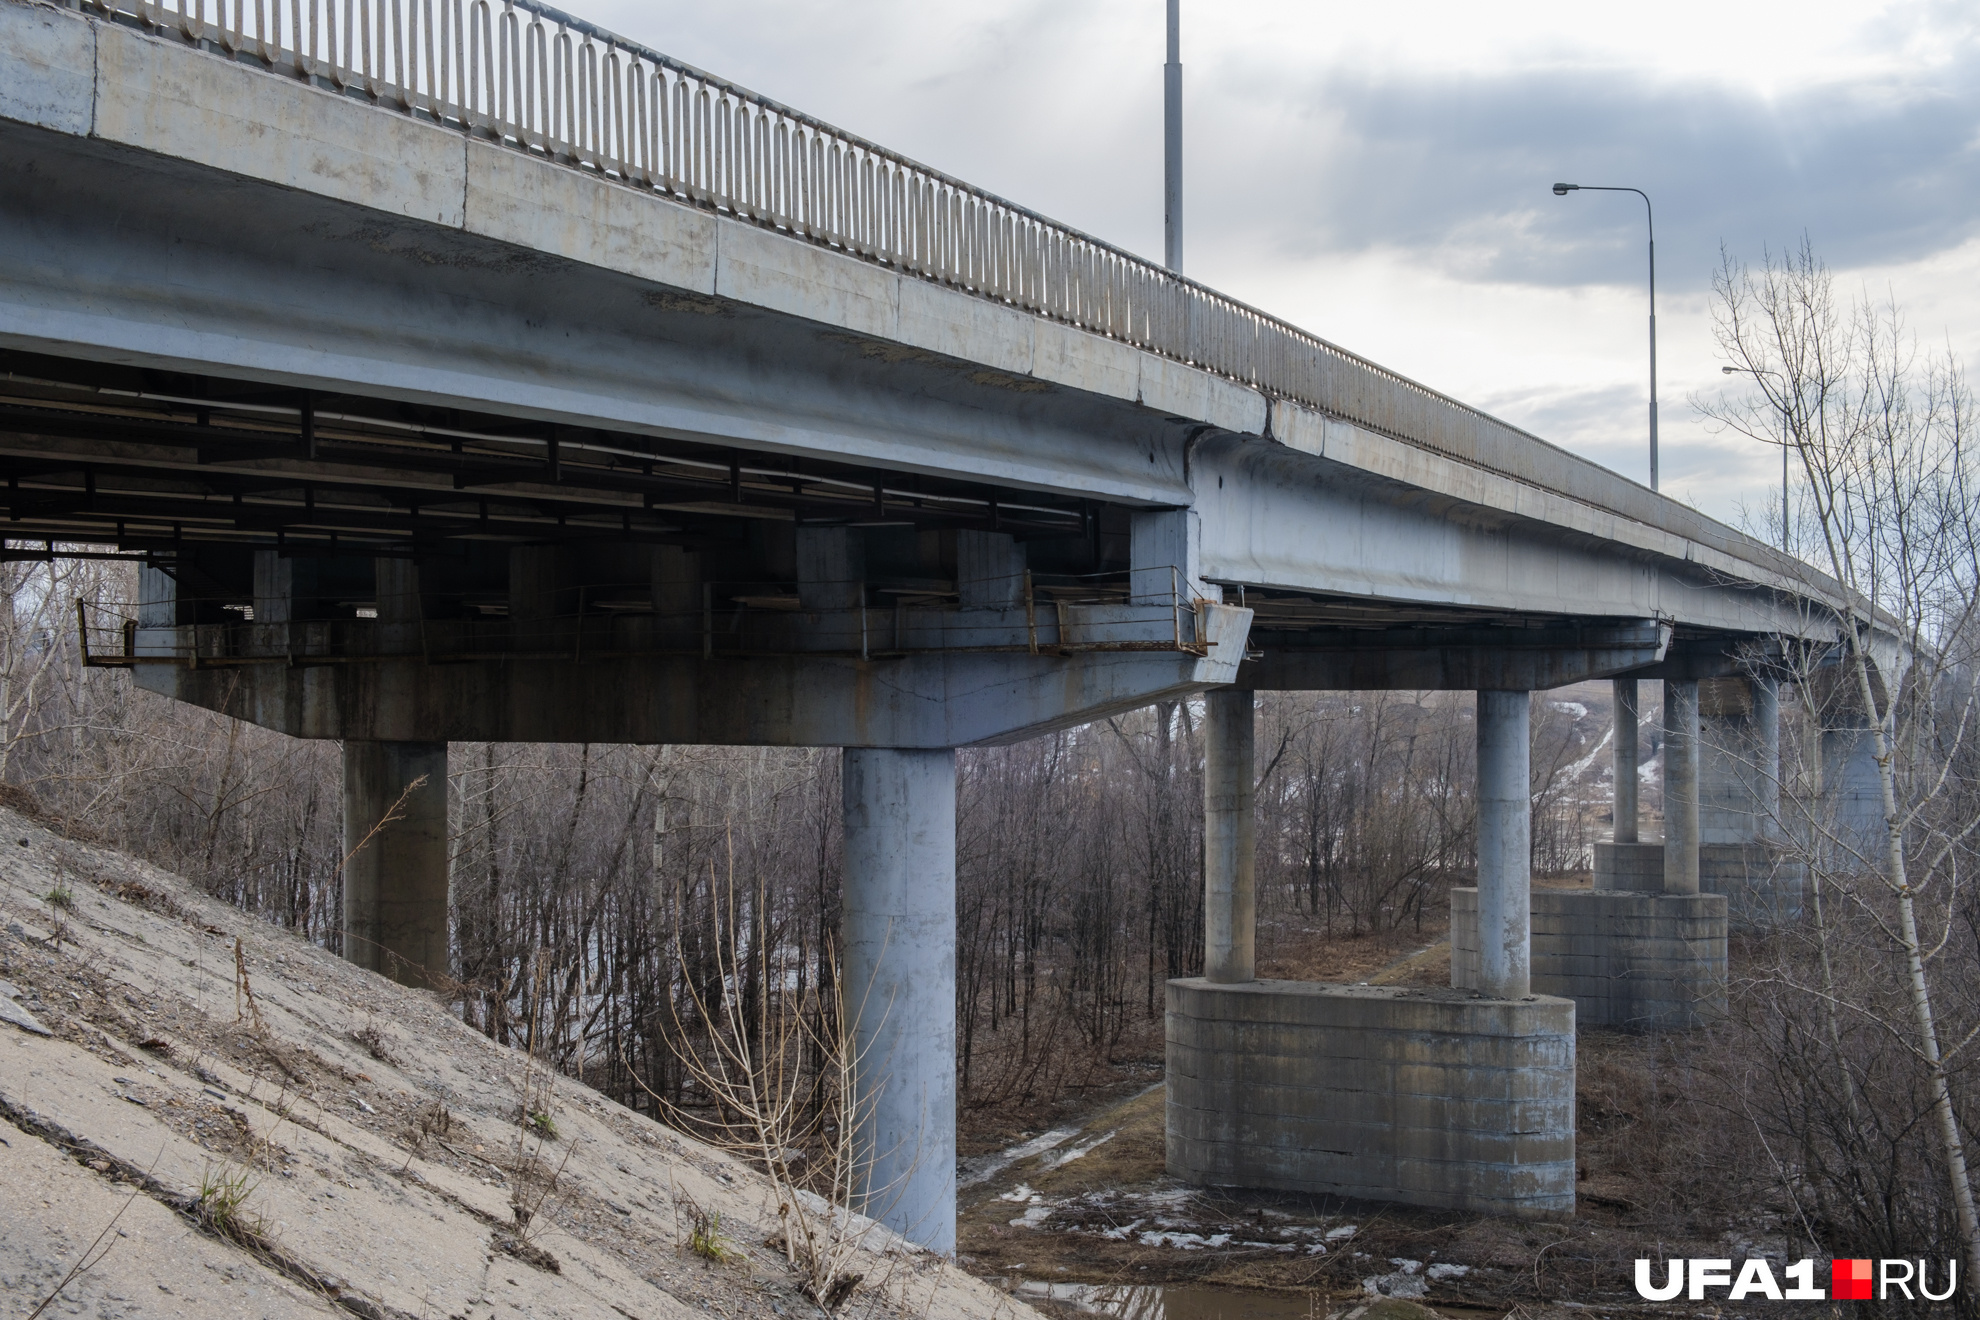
465,372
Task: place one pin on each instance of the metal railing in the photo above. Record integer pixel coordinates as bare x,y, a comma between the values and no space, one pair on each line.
543,81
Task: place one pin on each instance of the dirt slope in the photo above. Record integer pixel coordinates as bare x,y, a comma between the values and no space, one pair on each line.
335,1144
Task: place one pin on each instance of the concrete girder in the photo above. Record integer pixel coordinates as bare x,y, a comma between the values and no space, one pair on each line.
936,699
1456,659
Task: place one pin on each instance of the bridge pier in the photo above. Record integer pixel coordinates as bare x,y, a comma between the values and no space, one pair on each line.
1680,786
898,985
1505,845
1644,948
1451,1098
1740,852
395,881
1230,838
1625,862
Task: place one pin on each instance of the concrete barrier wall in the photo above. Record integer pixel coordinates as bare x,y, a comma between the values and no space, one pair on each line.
1429,1097
1626,959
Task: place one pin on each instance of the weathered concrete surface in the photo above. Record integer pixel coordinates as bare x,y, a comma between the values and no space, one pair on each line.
935,699
1496,658
1739,760
395,872
1505,844
899,984
1625,758
1230,838
1764,884
1633,960
376,1213
1680,786
1635,865
451,270
1428,1097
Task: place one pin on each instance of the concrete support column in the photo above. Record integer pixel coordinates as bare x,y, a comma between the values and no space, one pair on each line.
1628,720
1505,844
1230,839
1767,750
899,984
1680,786
395,883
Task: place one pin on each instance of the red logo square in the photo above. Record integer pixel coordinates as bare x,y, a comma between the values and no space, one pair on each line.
1849,1280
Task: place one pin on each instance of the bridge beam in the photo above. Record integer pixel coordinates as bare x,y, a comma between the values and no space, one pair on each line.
1483,658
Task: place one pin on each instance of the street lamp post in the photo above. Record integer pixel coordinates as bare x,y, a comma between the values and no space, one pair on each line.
1759,371
1172,215
1562,190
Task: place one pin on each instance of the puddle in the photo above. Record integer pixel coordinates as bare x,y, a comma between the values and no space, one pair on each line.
1180,1302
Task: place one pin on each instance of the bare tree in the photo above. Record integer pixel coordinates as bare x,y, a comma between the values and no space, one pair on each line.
1878,433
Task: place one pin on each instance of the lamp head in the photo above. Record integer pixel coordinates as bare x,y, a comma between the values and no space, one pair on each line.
1563,189
1728,371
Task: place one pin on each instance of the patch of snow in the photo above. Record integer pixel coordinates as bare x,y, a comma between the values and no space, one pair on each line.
1021,1192
1184,1241
1033,1218
1078,1152
1399,1284
1342,1233
1446,1270
985,1168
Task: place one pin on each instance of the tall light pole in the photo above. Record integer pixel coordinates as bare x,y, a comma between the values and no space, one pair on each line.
1172,233
1758,371
1562,190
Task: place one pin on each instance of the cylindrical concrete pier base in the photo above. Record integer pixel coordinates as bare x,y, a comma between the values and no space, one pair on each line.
898,985
1628,720
1230,839
395,881
1505,844
1680,786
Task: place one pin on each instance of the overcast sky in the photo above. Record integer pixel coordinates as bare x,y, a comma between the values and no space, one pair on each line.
1380,173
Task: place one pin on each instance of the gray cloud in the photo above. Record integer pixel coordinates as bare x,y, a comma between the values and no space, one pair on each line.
1458,169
